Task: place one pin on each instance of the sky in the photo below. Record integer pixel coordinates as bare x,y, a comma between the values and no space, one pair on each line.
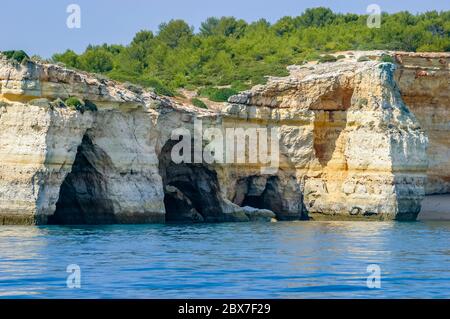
39,27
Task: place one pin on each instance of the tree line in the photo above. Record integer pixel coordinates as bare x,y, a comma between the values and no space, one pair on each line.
232,53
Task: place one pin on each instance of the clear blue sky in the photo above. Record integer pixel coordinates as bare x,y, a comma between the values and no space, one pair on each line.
39,27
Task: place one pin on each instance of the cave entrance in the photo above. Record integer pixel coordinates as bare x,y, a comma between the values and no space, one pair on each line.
191,191
83,194
262,193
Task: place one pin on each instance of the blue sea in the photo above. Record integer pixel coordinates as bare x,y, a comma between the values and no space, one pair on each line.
235,260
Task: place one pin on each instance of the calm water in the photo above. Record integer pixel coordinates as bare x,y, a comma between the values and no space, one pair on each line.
260,260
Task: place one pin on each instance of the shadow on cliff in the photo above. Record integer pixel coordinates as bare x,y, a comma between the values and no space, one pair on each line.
82,197
192,192
328,125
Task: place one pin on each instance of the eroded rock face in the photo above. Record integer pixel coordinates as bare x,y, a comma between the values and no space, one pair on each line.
83,197
350,147
425,88
118,171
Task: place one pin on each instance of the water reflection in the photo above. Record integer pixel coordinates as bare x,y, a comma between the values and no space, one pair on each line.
23,258
286,259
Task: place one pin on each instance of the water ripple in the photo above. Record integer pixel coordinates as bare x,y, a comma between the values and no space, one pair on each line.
259,260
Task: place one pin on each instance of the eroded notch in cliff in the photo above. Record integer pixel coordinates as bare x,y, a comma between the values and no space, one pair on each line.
328,126
191,190
83,194
265,192
330,121
266,197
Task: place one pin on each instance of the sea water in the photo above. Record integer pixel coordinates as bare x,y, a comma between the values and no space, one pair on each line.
231,260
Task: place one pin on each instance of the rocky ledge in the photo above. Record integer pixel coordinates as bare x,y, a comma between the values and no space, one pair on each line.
359,139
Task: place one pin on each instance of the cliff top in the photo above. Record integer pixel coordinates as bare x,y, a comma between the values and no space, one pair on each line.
334,68
28,80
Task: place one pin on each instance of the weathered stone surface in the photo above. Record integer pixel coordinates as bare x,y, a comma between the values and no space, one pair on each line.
255,214
39,146
425,88
353,148
350,147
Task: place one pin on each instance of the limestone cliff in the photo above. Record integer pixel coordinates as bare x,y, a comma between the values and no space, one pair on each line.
425,87
353,145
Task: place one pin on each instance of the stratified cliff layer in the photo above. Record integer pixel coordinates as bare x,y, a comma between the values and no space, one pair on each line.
352,144
43,145
425,87
350,147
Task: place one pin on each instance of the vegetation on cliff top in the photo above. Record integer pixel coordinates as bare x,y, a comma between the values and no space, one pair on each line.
233,53
17,55
199,103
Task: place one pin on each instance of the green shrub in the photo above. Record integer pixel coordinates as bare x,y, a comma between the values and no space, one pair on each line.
17,55
229,50
68,58
387,58
96,60
160,88
240,86
57,103
327,58
199,103
74,104
363,59
217,94
340,57
2,104
90,106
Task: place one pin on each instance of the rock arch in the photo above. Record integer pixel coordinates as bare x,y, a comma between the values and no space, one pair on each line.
192,192
83,196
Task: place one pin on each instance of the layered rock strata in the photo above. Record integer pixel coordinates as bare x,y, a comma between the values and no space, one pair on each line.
353,144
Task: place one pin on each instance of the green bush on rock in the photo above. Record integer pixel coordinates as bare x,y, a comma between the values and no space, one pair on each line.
90,106
199,103
217,94
158,87
17,55
363,59
76,104
327,58
387,58
73,103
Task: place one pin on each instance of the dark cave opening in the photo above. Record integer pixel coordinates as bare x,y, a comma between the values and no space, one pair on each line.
82,198
191,191
269,198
